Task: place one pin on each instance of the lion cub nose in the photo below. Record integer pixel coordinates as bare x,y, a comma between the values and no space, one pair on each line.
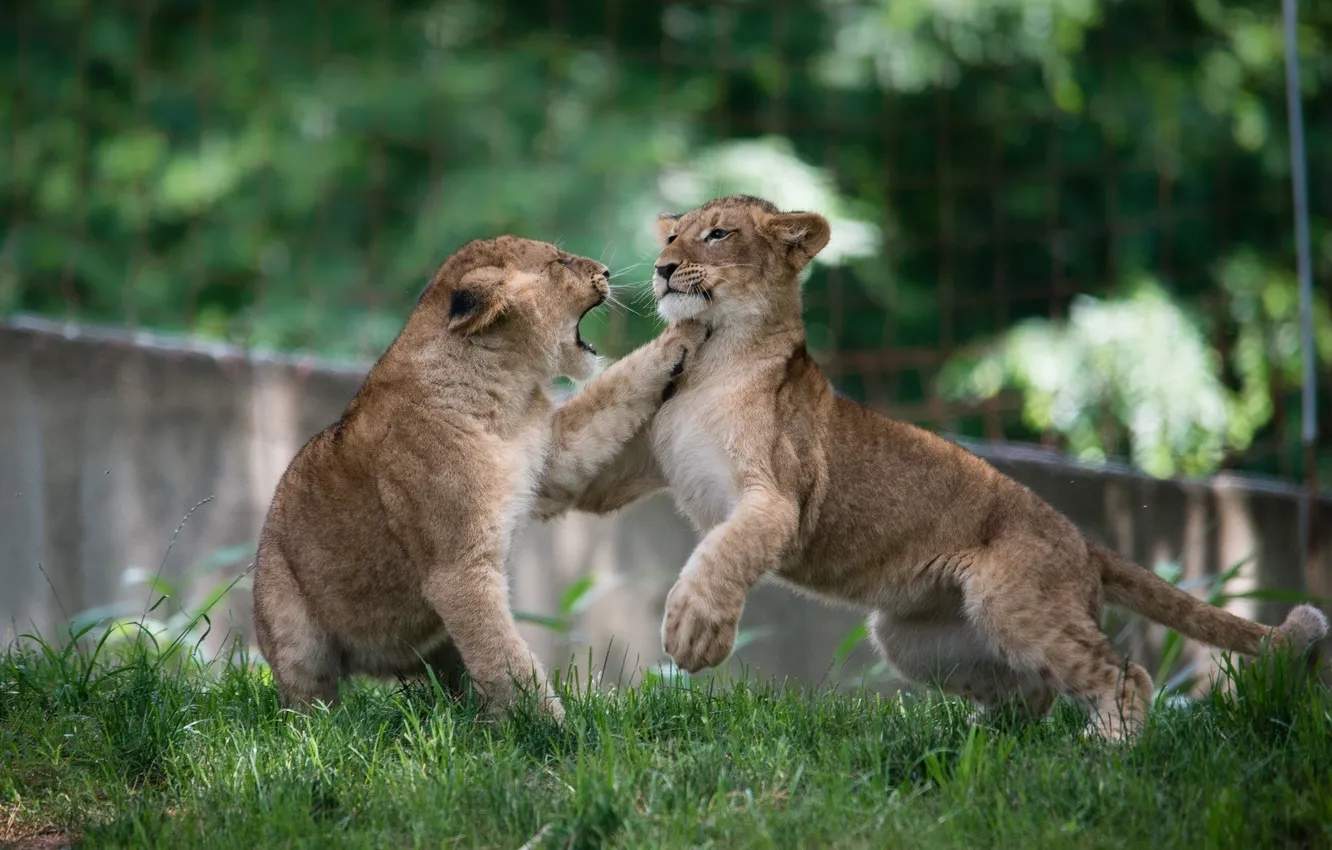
667,270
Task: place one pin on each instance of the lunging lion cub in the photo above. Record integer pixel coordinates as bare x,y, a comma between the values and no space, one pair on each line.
387,537
972,580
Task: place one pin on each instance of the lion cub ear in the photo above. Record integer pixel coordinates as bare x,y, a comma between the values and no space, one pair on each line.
478,300
804,235
666,223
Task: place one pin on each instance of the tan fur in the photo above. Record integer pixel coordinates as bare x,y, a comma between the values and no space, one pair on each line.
972,581
388,535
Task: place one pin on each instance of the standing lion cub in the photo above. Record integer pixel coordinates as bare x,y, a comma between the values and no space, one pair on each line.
388,536
972,581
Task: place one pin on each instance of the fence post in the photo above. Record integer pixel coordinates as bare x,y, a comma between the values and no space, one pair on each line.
1309,399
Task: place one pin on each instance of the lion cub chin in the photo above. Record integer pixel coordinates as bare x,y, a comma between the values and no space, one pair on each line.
384,549
971,580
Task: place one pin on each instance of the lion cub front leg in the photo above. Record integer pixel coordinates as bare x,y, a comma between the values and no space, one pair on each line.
472,599
703,608
591,429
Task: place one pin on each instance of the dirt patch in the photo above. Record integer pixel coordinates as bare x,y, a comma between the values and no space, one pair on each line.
40,841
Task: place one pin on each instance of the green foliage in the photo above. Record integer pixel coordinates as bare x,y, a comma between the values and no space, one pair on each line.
577,596
160,624
919,44
1138,370
147,756
1263,306
288,175
1134,367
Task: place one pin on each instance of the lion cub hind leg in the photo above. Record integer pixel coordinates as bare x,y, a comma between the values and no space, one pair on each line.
1039,621
304,659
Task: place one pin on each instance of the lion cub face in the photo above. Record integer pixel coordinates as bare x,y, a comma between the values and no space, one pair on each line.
731,257
521,295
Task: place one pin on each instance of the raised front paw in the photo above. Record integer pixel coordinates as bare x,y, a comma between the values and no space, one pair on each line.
681,342
698,631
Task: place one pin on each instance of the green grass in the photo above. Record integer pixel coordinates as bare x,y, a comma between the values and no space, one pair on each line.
138,755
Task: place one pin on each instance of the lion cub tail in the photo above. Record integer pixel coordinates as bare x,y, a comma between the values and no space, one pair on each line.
1138,589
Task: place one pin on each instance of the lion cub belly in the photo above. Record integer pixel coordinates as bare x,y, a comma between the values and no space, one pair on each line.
694,461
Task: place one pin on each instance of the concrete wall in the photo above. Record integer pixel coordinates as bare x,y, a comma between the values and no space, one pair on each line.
107,440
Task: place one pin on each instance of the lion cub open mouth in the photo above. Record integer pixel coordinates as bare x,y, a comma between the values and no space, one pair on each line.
578,332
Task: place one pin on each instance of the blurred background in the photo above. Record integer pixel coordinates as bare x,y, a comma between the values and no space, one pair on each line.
1064,223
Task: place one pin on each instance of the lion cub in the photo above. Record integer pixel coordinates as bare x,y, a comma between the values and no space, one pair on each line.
387,538
971,579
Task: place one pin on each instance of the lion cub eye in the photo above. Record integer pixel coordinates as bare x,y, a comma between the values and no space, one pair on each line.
565,261
717,233
670,239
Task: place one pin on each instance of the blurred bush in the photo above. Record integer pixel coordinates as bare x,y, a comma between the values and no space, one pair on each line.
288,174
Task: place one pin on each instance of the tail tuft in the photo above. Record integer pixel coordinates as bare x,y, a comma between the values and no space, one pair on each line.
1304,625
1137,589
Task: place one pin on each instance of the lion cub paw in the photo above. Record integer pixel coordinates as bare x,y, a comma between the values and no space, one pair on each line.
698,632
680,341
